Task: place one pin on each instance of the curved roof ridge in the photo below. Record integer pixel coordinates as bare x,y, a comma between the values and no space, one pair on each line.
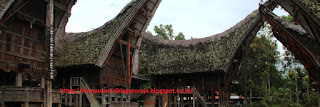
77,35
196,41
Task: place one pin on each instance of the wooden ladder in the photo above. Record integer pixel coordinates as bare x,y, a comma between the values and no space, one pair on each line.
196,94
80,82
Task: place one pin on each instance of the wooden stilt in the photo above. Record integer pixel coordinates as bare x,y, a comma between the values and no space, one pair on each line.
80,100
19,79
49,25
77,100
103,99
175,100
182,101
193,101
42,85
65,99
49,93
179,99
70,99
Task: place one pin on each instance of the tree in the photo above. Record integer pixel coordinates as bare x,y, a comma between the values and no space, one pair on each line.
166,32
180,36
288,86
261,67
288,18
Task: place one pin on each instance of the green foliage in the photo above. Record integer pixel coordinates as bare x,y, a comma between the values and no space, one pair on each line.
288,18
142,67
280,88
312,6
263,56
180,36
166,32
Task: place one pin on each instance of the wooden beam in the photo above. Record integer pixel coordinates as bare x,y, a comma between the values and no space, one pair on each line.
58,5
305,19
29,18
126,43
22,56
302,52
122,59
15,11
132,31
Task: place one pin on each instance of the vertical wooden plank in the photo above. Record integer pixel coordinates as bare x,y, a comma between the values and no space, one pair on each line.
9,41
193,101
65,99
174,100
70,99
129,62
103,99
109,99
77,100
19,79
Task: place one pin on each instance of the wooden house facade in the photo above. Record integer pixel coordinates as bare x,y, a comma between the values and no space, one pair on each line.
24,50
106,57
173,64
208,65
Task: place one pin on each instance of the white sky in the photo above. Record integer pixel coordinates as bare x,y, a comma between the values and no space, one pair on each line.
196,18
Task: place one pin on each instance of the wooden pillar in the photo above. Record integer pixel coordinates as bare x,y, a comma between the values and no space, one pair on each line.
77,100
49,25
49,93
193,101
122,94
70,99
182,100
175,100
103,99
65,98
43,84
179,99
109,99
80,100
19,79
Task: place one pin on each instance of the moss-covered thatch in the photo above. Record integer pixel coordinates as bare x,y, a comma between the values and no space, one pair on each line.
4,5
197,55
299,34
312,7
88,47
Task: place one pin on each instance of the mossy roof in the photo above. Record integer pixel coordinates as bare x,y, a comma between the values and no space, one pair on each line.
88,47
197,55
312,7
4,5
300,35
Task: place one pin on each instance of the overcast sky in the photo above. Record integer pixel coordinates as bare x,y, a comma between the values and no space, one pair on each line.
196,18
